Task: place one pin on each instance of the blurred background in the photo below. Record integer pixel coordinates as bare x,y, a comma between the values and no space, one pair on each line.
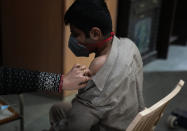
33,36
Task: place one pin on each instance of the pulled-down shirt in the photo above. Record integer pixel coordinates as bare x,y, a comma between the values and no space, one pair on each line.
114,95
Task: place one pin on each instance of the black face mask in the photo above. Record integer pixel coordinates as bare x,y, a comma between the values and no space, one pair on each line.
81,50
78,49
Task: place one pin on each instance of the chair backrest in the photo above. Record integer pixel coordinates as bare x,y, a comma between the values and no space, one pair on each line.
147,119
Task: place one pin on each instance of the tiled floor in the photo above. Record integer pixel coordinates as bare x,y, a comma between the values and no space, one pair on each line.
171,70
176,61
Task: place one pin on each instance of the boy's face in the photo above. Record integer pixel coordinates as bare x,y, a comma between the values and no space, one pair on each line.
78,34
95,36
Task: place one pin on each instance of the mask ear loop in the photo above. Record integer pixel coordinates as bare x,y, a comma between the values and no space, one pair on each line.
100,44
112,34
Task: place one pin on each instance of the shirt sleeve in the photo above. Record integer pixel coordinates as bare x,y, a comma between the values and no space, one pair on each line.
16,80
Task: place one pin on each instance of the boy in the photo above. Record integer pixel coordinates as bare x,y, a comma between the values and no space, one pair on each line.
113,96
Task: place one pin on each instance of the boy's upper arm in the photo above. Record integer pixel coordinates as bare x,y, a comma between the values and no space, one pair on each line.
96,64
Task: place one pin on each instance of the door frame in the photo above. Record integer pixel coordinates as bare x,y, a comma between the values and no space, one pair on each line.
1,57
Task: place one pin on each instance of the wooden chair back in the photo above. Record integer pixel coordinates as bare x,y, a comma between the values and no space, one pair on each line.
147,119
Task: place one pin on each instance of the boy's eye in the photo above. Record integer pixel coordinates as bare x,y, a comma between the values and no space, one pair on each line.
74,34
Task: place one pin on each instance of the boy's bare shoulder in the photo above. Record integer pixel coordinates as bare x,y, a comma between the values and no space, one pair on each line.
97,63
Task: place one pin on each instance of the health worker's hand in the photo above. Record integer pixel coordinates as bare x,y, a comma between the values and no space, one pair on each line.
76,78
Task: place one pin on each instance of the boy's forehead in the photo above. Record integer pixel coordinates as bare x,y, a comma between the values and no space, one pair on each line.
74,29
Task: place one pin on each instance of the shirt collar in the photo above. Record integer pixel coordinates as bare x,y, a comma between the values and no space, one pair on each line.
102,75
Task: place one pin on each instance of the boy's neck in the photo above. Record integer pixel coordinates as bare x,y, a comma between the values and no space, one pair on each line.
105,50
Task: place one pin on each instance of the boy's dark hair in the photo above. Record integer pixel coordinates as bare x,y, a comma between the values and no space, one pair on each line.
85,14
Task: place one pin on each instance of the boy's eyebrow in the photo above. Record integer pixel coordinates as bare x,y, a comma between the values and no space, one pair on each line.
72,31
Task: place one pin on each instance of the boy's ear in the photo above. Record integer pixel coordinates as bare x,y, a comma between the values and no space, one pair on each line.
95,33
